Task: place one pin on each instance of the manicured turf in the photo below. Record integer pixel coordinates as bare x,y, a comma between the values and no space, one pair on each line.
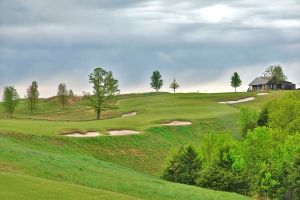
152,109
129,165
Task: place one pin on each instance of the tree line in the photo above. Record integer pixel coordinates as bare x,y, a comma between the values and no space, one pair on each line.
105,90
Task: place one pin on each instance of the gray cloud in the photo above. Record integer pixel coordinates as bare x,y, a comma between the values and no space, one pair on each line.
196,41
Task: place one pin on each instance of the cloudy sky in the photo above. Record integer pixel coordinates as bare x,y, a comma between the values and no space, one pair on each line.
201,43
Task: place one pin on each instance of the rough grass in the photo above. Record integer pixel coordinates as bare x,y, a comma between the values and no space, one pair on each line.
16,187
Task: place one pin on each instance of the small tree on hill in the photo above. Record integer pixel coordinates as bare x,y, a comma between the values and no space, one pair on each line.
71,94
105,90
174,85
236,80
10,100
184,167
32,95
156,81
62,94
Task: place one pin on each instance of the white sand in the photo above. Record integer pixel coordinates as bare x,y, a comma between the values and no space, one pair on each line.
261,94
87,134
122,132
177,123
238,101
129,114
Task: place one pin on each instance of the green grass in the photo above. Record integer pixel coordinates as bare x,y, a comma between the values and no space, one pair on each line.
151,110
16,186
32,144
42,160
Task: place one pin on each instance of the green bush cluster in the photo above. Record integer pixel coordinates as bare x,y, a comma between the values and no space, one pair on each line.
265,163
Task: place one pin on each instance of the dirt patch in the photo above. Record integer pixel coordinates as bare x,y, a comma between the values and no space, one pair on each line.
238,101
122,132
129,114
177,123
82,135
262,94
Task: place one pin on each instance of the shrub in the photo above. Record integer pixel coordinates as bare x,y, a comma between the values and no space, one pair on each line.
223,171
248,121
263,118
285,113
184,167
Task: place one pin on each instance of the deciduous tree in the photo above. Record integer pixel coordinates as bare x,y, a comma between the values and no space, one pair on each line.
105,90
275,74
236,80
62,94
10,100
174,85
156,81
32,96
71,93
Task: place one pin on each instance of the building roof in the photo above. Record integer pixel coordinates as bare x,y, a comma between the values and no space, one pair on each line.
259,81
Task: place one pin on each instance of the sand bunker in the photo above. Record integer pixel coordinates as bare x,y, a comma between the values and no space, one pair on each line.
81,135
122,132
177,123
129,114
238,101
261,94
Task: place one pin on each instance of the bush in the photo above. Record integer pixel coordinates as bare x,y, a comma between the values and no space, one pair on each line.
248,121
263,118
266,153
290,188
224,170
184,167
285,113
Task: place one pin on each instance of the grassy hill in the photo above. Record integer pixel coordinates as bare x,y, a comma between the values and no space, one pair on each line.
16,186
32,145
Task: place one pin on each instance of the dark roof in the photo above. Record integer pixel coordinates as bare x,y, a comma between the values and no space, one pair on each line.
287,82
259,81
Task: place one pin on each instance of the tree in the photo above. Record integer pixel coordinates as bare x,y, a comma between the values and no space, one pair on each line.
156,81
32,96
10,99
62,94
275,74
71,94
184,167
105,90
174,85
236,80
222,167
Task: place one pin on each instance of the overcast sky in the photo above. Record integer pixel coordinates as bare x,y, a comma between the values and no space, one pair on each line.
201,43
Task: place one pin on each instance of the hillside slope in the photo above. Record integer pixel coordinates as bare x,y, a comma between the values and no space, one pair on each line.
33,144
